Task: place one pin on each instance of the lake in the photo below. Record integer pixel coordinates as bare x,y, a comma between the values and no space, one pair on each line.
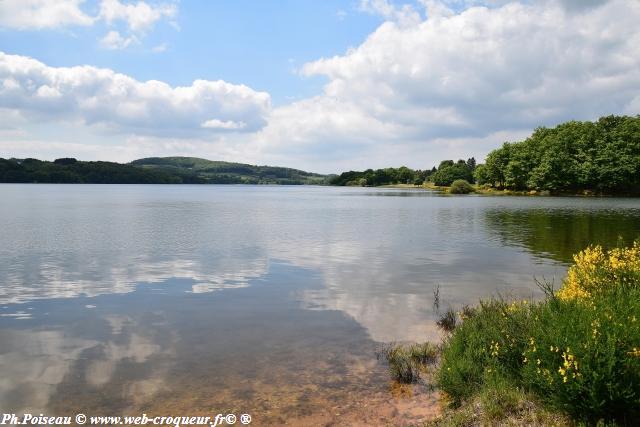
271,301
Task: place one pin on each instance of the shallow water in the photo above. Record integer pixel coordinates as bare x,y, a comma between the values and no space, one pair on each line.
187,300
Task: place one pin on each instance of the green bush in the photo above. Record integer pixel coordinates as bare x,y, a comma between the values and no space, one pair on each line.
582,358
461,186
448,172
487,343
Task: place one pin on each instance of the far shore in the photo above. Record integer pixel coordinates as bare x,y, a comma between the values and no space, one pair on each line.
495,192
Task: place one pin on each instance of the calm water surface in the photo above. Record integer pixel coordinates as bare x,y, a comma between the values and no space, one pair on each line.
187,300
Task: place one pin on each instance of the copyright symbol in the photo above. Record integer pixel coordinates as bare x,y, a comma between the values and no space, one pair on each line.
231,419
81,418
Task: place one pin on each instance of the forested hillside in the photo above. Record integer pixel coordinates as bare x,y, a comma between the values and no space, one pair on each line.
170,170
71,171
216,172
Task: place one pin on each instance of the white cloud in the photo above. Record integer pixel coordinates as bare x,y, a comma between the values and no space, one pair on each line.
119,103
418,90
404,15
465,76
572,5
139,17
42,14
160,48
223,124
114,41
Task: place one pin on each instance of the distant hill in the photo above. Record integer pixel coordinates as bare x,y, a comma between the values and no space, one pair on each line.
155,170
216,172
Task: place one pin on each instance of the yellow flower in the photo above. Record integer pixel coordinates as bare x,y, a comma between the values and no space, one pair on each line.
594,270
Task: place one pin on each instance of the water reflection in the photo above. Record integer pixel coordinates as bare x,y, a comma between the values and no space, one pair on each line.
179,299
559,233
44,278
170,351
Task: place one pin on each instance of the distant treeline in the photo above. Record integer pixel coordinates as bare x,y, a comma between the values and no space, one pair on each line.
372,178
71,171
166,170
444,175
218,172
602,157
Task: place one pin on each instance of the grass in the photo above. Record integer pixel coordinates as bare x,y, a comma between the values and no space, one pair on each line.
448,321
407,362
500,404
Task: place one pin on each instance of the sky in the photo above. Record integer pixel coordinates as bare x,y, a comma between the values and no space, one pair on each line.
324,86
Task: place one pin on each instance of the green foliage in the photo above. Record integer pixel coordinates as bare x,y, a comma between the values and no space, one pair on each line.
577,358
599,340
468,352
602,157
460,186
373,178
169,170
496,165
72,171
481,175
448,172
215,172
499,402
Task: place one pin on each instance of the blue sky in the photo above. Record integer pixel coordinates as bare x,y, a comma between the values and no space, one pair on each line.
257,43
319,85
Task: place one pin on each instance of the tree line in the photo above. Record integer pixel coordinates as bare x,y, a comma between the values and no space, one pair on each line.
447,172
71,171
173,170
602,157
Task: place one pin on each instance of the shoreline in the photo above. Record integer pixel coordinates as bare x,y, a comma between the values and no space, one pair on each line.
496,192
425,187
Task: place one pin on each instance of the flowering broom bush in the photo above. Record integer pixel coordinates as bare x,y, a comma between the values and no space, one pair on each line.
596,271
578,352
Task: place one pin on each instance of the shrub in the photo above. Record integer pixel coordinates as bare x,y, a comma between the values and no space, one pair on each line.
460,186
578,353
586,361
596,270
448,321
406,362
487,343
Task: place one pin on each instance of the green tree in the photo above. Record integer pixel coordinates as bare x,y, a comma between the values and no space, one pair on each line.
448,171
480,174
